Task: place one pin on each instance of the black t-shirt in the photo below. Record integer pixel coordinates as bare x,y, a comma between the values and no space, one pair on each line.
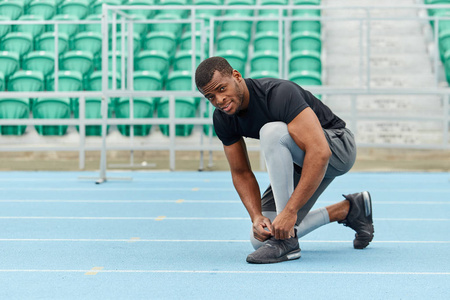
271,100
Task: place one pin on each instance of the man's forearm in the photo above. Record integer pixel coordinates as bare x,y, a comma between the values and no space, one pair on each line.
248,189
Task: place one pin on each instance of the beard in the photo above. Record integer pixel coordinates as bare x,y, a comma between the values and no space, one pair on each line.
239,98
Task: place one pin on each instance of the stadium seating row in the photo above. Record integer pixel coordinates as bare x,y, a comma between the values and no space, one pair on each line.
162,58
61,108
82,8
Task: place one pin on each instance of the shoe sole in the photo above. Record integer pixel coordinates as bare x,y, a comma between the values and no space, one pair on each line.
295,254
363,243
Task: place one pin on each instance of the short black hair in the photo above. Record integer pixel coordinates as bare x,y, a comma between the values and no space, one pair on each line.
206,69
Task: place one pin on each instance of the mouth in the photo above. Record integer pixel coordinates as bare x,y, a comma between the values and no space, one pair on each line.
226,108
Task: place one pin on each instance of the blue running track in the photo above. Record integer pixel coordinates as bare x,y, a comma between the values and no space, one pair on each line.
184,235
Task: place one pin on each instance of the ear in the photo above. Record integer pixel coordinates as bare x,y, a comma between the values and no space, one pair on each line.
236,75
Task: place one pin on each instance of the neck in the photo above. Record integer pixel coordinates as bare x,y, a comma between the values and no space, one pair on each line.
246,95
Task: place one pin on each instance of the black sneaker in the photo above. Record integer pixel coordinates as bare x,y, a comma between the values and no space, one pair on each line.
359,218
274,251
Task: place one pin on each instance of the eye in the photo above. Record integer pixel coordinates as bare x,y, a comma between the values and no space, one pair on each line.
222,89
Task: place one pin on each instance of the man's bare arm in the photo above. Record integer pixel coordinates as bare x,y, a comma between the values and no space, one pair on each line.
247,187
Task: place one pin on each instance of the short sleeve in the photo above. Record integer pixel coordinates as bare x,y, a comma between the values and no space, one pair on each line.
225,129
286,101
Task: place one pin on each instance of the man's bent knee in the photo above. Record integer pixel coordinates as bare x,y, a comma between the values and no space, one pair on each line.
271,133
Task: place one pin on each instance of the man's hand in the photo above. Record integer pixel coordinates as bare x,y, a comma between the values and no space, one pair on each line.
260,224
283,225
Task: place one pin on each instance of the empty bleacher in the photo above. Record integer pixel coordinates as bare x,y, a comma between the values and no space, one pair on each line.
162,55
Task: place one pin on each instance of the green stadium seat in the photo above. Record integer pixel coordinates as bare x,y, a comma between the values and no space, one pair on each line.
142,108
96,7
306,40
447,65
46,42
93,110
2,81
79,8
267,40
118,62
163,41
305,61
304,78
305,24
153,60
206,14
233,40
81,61
20,42
136,42
34,29
94,27
67,81
174,28
69,29
4,29
45,8
139,28
238,25
51,108
39,61
184,108
270,25
88,41
263,74
9,62
183,60
95,81
179,81
265,61
444,43
13,108
181,13
147,81
437,11
313,12
147,13
186,41
11,8
236,59
26,81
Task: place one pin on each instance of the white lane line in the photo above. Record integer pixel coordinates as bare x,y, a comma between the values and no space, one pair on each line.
225,272
206,189
125,188
206,201
139,240
195,218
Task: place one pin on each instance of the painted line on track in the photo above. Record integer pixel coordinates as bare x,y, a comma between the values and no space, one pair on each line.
195,189
139,240
224,272
159,218
208,201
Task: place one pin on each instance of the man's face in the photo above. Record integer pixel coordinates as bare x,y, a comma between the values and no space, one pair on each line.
225,92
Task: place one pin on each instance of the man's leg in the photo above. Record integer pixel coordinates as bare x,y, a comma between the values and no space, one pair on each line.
275,140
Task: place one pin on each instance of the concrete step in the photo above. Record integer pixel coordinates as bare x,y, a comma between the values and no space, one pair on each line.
392,63
378,45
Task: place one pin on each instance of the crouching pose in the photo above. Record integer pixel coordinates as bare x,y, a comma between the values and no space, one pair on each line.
305,146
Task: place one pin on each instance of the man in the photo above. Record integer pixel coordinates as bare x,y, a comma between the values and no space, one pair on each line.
305,147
